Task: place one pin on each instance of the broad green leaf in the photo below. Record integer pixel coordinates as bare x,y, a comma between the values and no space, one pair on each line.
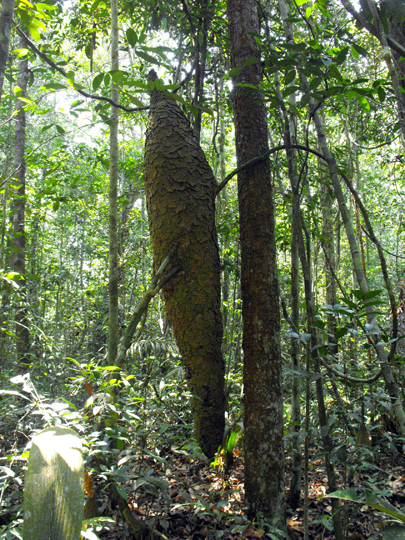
98,79
371,294
33,30
290,90
54,86
381,94
131,37
345,495
361,50
118,76
175,96
136,101
290,76
363,101
234,72
357,293
354,52
60,130
251,61
159,84
147,57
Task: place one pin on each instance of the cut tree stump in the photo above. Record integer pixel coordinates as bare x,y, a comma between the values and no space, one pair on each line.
54,486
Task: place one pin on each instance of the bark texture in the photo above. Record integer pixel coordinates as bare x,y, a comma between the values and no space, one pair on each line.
18,213
264,459
6,21
113,211
180,190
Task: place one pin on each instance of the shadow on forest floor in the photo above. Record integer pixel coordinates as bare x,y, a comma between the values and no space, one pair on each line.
200,502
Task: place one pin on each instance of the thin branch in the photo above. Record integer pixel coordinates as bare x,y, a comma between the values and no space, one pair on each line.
371,28
348,377
261,158
156,284
54,66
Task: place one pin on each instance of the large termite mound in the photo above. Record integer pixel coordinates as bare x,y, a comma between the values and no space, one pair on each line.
180,191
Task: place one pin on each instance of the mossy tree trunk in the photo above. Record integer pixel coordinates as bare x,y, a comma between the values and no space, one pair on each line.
180,190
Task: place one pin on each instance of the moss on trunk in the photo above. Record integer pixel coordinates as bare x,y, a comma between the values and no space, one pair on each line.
180,190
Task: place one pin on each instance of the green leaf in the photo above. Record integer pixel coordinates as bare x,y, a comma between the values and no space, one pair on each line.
118,76
357,293
147,57
371,294
247,85
381,94
136,101
234,436
54,86
361,50
354,52
200,38
251,61
159,84
315,82
290,90
60,130
34,32
98,79
363,101
345,495
131,37
175,96
289,77
234,72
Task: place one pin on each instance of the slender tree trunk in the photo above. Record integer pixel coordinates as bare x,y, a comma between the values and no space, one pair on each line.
181,189
264,457
18,214
113,232
6,21
323,420
289,121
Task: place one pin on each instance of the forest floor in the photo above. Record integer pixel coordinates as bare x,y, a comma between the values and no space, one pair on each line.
200,502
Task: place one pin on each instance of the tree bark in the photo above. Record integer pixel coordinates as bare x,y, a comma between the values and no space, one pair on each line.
18,213
113,212
264,458
6,21
180,189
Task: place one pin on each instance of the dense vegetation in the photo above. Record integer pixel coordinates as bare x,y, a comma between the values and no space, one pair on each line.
333,88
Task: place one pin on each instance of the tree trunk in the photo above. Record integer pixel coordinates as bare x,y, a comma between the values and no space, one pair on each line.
264,457
18,213
180,190
113,234
6,21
